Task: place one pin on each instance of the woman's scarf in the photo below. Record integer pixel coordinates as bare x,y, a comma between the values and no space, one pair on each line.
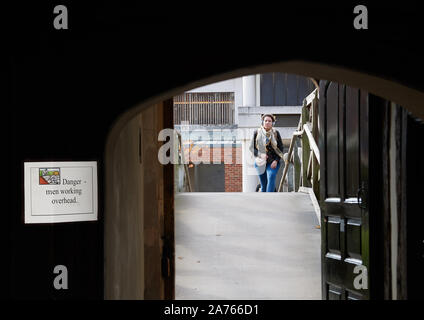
263,138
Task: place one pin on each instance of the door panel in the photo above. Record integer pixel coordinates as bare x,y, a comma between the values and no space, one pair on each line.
352,142
344,170
334,293
332,141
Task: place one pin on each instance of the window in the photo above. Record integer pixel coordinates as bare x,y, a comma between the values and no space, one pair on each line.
282,89
204,108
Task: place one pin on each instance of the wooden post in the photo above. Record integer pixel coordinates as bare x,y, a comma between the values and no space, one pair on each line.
153,209
315,134
305,147
309,170
185,165
289,156
296,167
168,262
401,172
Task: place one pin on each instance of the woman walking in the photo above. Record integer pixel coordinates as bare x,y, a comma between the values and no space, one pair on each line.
267,147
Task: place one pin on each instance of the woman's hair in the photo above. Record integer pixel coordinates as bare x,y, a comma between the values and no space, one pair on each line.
268,115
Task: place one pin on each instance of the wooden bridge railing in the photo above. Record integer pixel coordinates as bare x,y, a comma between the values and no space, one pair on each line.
306,166
187,182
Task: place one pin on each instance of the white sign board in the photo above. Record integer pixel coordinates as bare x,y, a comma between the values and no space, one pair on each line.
60,191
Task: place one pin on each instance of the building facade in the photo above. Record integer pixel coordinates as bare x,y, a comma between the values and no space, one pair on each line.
235,106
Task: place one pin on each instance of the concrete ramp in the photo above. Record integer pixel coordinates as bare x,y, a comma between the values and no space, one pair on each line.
247,246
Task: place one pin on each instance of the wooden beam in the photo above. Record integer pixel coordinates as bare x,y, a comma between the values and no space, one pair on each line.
305,147
168,213
311,141
314,128
289,156
187,174
297,167
315,135
312,96
153,209
315,177
386,224
308,171
402,258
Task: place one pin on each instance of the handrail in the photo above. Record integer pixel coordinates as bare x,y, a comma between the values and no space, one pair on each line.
312,96
312,141
287,160
186,173
304,126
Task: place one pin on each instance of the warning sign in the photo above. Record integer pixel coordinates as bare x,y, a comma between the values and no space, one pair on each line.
60,191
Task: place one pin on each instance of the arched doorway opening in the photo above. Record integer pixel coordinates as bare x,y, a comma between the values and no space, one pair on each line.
122,256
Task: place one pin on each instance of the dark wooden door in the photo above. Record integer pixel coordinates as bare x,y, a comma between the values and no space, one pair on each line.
344,145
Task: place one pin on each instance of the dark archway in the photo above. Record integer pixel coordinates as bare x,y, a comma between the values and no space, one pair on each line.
114,58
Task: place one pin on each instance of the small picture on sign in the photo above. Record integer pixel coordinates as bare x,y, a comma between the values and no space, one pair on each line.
49,176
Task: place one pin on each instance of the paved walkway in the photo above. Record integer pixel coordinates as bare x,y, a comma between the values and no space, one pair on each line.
247,246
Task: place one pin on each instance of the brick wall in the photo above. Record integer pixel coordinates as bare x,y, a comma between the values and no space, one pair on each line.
234,172
233,178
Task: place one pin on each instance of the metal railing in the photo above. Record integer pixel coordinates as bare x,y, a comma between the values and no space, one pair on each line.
306,166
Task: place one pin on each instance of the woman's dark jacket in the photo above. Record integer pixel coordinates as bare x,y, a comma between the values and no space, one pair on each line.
272,155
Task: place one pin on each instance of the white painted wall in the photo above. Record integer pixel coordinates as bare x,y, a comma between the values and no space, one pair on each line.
222,86
250,177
